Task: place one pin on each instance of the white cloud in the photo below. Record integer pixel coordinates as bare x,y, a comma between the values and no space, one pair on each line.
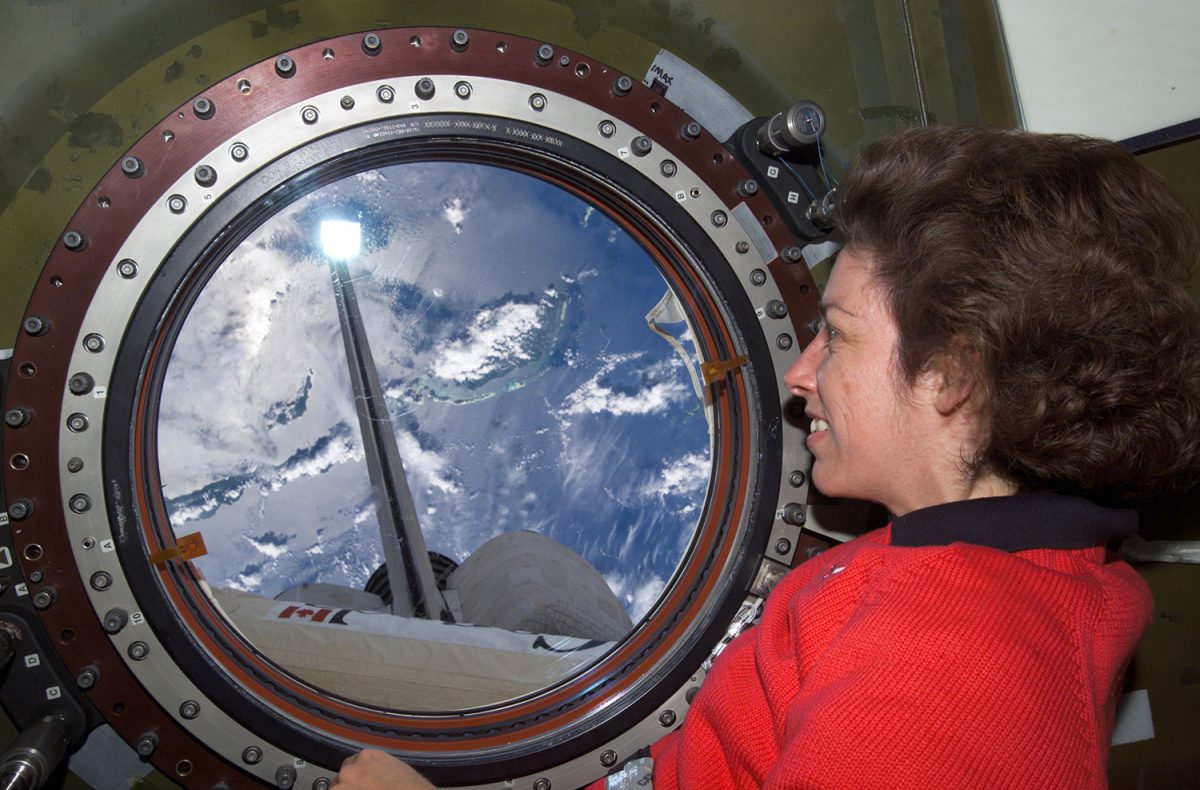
455,212
687,475
425,466
497,337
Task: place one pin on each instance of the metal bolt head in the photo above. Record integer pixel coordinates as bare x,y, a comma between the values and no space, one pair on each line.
74,241
794,514
321,783
719,218
607,128
424,89
386,94
666,718
668,168
132,167
796,478
147,744
239,152
544,55
87,677
45,597
537,102
783,342
81,383
284,66
36,576
641,145
138,651
460,40
758,277
17,417
101,580
542,784
622,85
748,188
114,620
564,60
77,423
309,115
742,246
690,130
127,268
177,204
462,89
189,709
372,44
776,309
347,102
94,343
608,758
20,509
252,755
205,175
285,777
203,108
793,254
81,503
783,546
35,325
75,465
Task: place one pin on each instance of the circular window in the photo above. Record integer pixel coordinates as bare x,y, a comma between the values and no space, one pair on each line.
426,400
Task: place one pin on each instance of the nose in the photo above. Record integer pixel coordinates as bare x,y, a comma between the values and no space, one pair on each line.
801,377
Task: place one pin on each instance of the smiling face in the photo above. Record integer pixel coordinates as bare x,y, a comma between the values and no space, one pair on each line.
873,436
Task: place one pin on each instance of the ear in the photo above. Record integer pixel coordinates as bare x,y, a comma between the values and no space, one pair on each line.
949,380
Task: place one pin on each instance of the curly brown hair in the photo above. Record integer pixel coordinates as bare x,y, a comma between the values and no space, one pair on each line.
1050,269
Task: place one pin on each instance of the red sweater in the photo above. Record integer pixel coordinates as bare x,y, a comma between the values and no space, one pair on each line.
922,666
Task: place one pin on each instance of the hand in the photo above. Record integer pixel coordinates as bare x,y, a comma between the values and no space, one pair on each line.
371,769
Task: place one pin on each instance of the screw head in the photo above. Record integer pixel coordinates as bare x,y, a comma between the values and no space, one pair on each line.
82,503
607,128
74,241
101,580
138,651
544,55
668,168
758,277
17,417
784,342
794,514
94,343
77,423
347,102
203,108
776,309
252,755
284,66
127,268
177,204
75,465
783,546
45,597
147,744
719,218
285,777
386,94
748,188
189,709
742,246
537,102
459,40
796,478
80,384
205,175
132,167
424,89
462,90
321,783
793,254
608,758
35,325
622,85
690,130
542,784
87,677
20,509
666,718
114,620
309,115
641,145
372,44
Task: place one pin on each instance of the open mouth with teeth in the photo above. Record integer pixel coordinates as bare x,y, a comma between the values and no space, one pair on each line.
818,426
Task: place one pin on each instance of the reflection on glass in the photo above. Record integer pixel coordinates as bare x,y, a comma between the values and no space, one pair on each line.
556,449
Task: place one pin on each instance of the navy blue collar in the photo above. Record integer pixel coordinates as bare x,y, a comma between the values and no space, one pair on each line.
1016,523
